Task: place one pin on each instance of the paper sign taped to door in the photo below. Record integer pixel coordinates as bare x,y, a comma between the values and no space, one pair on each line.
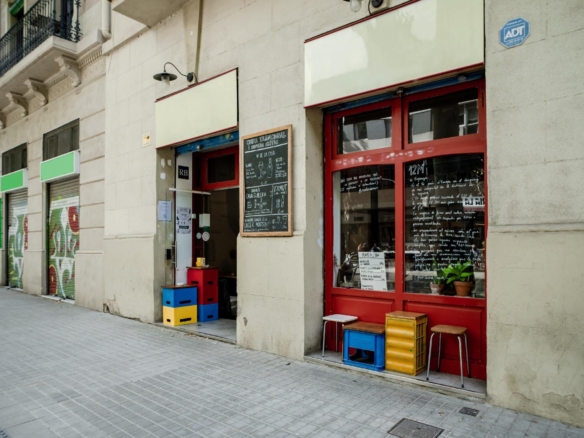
183,220
372,271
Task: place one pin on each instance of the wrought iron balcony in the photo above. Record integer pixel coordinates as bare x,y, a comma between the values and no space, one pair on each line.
44,19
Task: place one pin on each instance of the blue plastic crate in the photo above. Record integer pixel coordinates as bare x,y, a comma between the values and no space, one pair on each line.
369,349
179,296
208,312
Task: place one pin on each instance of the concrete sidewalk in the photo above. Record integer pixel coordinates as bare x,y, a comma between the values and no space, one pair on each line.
70,372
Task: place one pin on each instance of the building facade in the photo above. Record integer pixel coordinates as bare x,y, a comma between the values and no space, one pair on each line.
420,134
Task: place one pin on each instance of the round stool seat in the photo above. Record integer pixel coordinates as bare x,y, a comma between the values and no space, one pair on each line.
449,329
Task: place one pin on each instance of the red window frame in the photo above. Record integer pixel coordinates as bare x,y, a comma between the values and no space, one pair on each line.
371,306
205,157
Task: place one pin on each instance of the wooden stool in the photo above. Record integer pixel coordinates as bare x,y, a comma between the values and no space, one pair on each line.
449,330
337,318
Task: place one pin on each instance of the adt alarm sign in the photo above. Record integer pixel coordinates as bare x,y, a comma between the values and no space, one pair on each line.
514,32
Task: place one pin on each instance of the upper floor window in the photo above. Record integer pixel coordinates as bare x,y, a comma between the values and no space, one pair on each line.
14,159
61,140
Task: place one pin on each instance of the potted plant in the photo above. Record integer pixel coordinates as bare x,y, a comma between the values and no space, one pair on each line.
438,284
439,281
461,275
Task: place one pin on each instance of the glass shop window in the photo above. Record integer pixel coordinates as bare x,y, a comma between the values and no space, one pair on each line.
221,169
15,159
365,132
445,220
61,141
364,223
452,115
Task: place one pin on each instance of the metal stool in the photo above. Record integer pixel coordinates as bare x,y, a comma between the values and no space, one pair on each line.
449,330
337,318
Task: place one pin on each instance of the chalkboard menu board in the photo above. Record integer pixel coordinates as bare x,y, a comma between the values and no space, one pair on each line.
266,181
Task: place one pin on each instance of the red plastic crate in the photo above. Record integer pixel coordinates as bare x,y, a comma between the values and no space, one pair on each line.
207,280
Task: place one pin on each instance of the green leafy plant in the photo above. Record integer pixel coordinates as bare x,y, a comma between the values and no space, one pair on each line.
440,278
459,272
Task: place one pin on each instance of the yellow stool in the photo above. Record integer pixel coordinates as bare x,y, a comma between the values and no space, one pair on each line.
175,316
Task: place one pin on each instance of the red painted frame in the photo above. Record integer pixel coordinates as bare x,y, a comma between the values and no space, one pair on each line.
371,306
205,157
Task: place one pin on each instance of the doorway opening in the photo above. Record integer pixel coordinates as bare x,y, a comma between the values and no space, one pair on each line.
206,256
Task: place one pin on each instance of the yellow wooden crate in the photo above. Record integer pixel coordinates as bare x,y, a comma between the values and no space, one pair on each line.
405,342
179,315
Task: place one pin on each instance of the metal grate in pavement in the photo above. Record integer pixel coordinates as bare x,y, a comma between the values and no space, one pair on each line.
3,434
414,429
469,411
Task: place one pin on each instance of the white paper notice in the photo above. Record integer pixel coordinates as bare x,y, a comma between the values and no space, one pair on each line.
165,211
372,271
183,220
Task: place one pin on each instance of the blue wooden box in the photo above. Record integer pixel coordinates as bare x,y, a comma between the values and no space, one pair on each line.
208,312
179,296
368,341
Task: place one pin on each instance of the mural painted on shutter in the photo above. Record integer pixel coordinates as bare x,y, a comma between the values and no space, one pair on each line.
63,244
17,243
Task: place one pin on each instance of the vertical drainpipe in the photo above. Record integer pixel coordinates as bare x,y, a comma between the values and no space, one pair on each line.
106,19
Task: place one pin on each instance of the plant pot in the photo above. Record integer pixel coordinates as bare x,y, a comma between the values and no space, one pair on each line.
436,288
463,288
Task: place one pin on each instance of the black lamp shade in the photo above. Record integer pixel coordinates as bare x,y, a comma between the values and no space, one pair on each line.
159,76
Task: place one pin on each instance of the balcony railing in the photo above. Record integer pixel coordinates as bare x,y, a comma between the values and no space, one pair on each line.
44,19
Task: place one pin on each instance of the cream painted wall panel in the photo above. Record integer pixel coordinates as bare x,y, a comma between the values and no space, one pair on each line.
537,194
35,240
35,222
199,111
238,23
92,193
285,90
35,204
90,126
536,335
126,193
92,148
169,32
91,216
143,48
91,171
91,239
34,167
33,277
413,42
129,283
89,293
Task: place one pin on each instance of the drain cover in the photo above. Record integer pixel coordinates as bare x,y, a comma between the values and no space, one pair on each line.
413,429
469,411
3,434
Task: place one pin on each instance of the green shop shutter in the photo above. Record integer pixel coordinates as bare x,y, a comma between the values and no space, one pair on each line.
63,237
17,242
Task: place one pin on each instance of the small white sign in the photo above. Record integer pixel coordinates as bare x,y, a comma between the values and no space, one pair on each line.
473,203
165,211
183,220
372,271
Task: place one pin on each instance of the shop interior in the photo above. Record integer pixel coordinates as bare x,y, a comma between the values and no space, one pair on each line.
209,251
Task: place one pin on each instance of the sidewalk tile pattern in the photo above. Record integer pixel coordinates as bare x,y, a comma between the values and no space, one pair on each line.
70,372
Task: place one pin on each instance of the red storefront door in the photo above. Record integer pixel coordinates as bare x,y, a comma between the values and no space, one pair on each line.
405,177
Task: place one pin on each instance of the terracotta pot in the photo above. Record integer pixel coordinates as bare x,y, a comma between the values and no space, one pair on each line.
436,288
463,288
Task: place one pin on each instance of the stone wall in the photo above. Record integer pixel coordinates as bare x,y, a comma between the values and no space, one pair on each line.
536,210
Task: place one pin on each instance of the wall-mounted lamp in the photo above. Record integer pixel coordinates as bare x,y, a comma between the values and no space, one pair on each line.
166,77
355,5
